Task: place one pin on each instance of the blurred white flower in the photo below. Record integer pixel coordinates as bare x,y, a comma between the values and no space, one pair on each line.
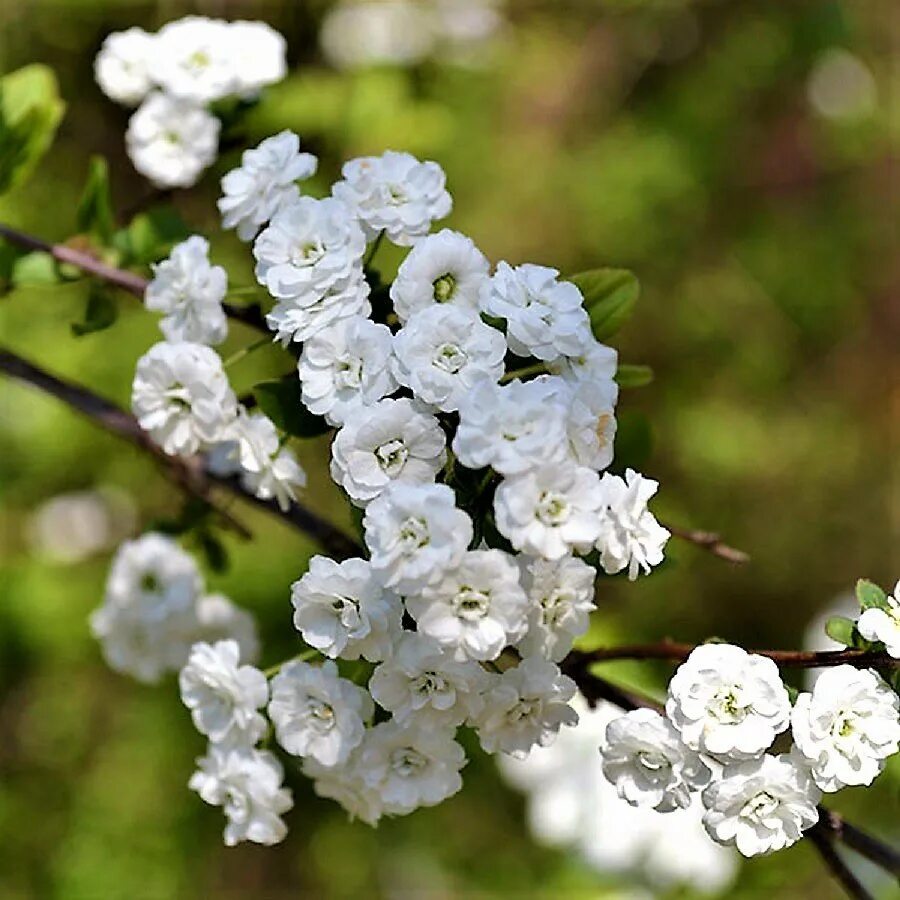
123,65
841,86
218,619
192,59
257,54
345,785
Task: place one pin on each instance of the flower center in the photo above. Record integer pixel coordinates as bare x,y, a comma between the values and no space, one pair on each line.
552,508
407,762
149,583
553,607
759,807
306,254
444,287
449,358
178,395
199,59
319,715
727,707
524,709
414,533
349,373
396,195
392,457
471,604
430,683
653,761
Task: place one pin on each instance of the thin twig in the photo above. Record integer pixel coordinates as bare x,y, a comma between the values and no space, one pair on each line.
864,844
191,473
824,843
710,541
130,282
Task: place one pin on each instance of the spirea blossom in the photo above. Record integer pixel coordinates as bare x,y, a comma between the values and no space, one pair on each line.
630,537
394,193
219,619
410,766
264,183
181,396
525,708
345,785
544,316
415,534
309,248
761,805
644,758
476,609
190,291
560,601
258,57
551,511
388,442
342,610
595,364
123,65
445,267
345,367
424,682
171,141
590,421
728,703
876,624
247,784
317,713
846,727
443,351
222,695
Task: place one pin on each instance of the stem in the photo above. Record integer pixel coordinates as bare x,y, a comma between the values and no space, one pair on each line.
373,250
839,869
710,541
534,369
300,657
245,351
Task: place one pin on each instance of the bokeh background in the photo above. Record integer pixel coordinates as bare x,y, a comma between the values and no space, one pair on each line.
739,156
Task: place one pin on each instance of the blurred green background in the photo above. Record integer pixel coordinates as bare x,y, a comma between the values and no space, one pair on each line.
737,155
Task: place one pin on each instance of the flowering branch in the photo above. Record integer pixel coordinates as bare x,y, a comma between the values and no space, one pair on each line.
129,282
190,474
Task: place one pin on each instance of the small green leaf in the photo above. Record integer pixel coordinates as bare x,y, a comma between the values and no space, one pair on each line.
841,629
633,376
30,110
151,235
213,549
281,401
100,312
94,214
609,297
35,268
870,596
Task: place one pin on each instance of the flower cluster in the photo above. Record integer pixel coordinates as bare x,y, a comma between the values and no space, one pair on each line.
724,710
175,74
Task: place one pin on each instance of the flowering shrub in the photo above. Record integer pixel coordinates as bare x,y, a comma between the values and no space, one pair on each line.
472,418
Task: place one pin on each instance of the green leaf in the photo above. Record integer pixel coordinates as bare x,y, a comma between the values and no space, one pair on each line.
151,235
870,596
35,268
609,297
8,256
633,376
281,401
30,110
94,214
841,629
100,312
213,549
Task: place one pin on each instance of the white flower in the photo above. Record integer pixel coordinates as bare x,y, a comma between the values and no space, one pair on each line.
597,363
545,317
192,59
390,441
257,55
847,727
445,267
122,67
394,193
761,805
316,713
551,511
561,599
309,248
181,396
246,783
513,428
525,708
218,619
345,367
264,183
411,766
728,703
423,682
591,421
644,758
443,351
269,471
883,625
301,318
171,141
342,610
190,292
148,622
415,534
346,786
476,609
630,537
222,695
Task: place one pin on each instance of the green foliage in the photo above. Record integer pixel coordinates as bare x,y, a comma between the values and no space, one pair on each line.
609,296
633,376
281,402
634,439
94,214
100,312
213,550
151,235
870,596
34,268
30,110
842,630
